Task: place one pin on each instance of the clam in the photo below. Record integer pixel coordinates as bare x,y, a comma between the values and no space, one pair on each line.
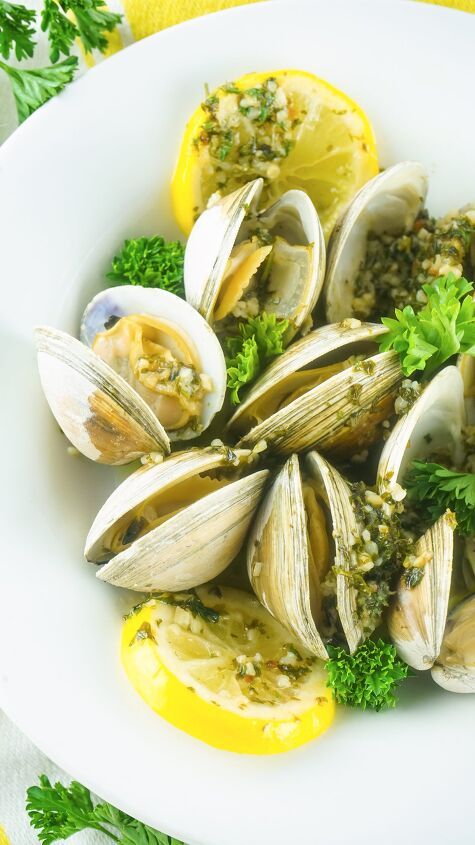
97,410
164,350
240,262
177,524
433,426
304,532
454,669
317,394
387,204
416,619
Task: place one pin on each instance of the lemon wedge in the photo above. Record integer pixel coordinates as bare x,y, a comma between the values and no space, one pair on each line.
288,126
217,665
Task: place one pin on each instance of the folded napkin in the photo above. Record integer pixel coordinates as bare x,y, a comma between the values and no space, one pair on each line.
20,760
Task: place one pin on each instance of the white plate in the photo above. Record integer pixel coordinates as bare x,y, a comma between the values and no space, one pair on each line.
89,169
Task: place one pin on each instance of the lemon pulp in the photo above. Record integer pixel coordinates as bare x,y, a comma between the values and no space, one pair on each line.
236,681
319,141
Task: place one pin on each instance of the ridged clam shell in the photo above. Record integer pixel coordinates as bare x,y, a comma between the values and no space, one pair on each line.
388,203
217,230
96,409
210,244
454,669
434,422
416,619
178,317
328,418
190,547
278,557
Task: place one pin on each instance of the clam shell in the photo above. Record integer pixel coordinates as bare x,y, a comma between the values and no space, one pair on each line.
416,619
345,533
210,244
318,348
389,203
96,409
278,557
181,318
454,669
434,422
339,416
190,547
292,217
278,560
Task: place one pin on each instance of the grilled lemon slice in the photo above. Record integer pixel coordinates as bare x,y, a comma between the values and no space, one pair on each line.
288,126
217,665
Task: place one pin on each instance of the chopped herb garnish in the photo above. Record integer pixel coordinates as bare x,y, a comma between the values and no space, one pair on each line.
189,601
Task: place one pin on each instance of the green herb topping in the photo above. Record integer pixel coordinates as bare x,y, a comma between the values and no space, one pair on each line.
367,678
152,263
57,812
260,339
434,488
189,601
444,327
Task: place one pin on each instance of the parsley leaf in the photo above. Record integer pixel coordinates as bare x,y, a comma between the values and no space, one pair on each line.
57,812
259,340
61,30
435,488
32,88
444,327
367,678
93,20
152,263
16,30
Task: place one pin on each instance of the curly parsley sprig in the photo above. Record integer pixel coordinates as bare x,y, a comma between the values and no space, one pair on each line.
57,812
434,488
152,263
444,327
367,678
259,340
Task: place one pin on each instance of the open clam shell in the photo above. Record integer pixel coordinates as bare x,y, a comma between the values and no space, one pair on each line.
305,526
389,203
164,349
454,669
226,248
177,524
433,425
96,409
315,396
416,619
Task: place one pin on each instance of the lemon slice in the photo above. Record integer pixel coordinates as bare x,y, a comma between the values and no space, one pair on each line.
288,126
222,669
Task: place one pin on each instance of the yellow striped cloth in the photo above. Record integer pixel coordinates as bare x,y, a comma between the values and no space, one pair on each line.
144,17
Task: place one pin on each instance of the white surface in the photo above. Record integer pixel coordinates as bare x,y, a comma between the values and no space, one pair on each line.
20,765
89,169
